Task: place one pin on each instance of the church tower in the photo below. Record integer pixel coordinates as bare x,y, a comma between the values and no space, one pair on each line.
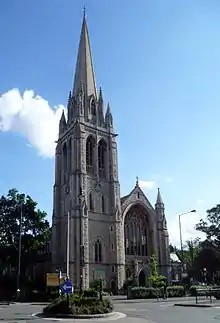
163,236
86,183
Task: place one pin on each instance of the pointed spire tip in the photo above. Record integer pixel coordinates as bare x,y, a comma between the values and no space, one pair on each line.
84,70
159,199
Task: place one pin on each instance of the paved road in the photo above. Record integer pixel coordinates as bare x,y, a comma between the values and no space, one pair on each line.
165,312
148,312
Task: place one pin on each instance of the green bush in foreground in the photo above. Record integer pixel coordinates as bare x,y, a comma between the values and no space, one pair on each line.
79,305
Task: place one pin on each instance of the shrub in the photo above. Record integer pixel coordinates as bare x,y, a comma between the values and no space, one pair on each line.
175,291
145,292
79,305
90,293
129,283
95,284
150,292
216,292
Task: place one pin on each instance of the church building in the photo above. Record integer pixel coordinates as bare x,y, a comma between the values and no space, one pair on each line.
110,237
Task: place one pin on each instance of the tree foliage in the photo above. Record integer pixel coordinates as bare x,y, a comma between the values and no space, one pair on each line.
211,225
35,229
191,251
155,279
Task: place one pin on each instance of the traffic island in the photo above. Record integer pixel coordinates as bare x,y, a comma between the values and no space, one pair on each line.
88,304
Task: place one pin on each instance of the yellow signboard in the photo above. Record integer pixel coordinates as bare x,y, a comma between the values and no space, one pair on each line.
52,280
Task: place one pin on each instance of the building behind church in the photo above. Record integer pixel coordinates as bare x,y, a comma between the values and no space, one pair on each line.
111,237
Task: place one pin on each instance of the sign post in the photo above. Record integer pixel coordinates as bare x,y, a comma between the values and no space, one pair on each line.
67,288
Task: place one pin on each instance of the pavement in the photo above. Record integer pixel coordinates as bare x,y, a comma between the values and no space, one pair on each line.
148,311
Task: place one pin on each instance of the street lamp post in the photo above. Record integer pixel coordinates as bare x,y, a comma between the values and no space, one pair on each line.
82,200
180,230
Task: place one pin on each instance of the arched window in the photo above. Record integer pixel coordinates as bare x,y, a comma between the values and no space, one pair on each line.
93,108
103,204
64,157
90,202
102,147
98,251
70,155
136,232
64,153
89,154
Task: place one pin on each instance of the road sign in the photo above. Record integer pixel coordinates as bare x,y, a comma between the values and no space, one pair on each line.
67,287
52,279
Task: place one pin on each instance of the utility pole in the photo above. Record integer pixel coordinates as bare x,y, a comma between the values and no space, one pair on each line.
81,199
68,247
19,254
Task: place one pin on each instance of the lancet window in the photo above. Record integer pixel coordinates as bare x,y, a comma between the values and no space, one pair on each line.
89,154
135,231
98,251
102,148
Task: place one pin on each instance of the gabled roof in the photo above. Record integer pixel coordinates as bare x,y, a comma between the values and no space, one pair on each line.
134,196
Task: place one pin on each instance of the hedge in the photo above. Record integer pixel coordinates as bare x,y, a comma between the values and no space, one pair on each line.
150,292
175,291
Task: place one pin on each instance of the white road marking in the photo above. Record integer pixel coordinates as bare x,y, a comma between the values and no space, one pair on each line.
117,316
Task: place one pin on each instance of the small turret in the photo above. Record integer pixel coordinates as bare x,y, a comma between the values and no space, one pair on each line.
101,108
159,201
108,117
163,236
63,124
160,210
69,107
100,96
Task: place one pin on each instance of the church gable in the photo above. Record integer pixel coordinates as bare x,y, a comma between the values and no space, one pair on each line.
136,195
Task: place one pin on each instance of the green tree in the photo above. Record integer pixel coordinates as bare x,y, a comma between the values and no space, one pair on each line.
35,229
191,251
211,225
208,258
155,279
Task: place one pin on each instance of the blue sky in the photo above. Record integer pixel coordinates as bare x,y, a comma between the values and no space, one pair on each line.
158,63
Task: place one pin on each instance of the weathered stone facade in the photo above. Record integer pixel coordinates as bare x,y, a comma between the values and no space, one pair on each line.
103,243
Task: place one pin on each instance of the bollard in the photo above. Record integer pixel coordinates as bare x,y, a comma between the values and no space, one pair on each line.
100,289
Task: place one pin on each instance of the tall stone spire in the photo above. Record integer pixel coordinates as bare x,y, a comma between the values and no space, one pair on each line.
84,72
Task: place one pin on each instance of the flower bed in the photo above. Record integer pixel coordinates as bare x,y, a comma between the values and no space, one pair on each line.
79,305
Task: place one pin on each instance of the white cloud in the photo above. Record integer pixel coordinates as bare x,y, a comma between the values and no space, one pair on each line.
33,117
200,202
169,179
188,222
147,184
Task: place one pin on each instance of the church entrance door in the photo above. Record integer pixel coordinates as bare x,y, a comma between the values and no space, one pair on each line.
142,278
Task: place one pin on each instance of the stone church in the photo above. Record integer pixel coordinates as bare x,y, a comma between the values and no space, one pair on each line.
111,237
